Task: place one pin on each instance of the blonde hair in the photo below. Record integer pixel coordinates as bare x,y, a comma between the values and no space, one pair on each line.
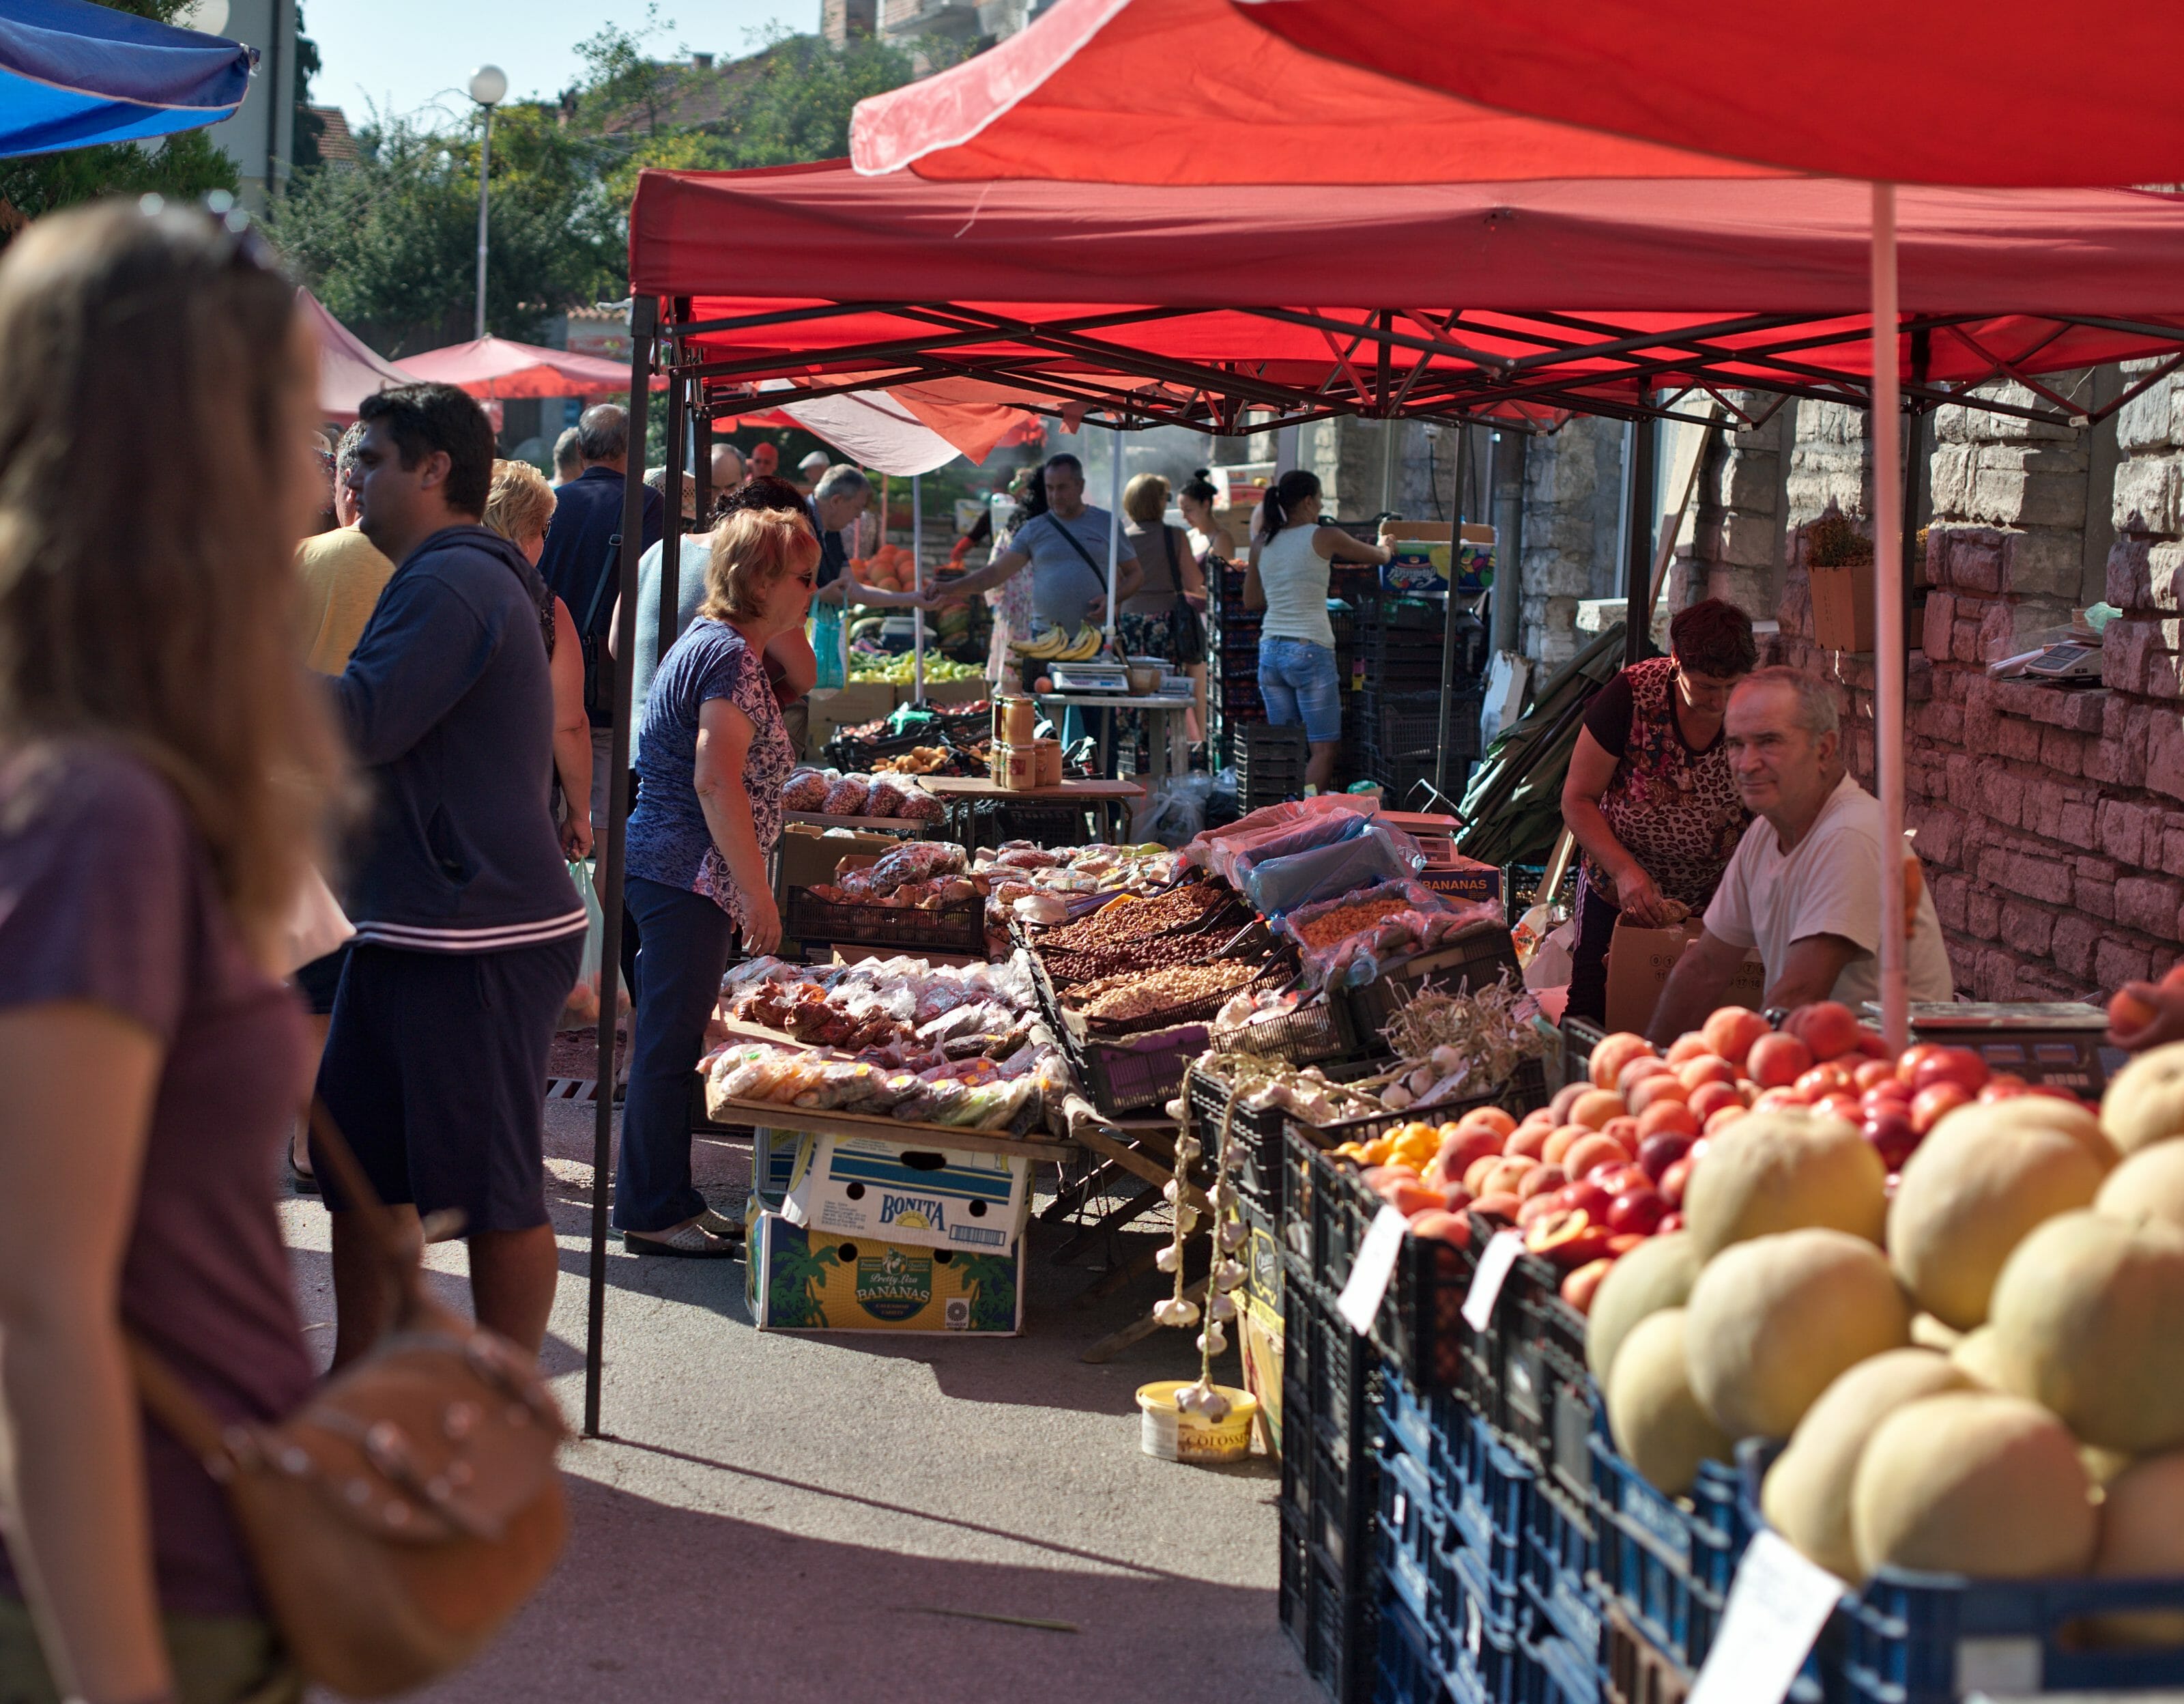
752,549
519,503
1145,499
150,601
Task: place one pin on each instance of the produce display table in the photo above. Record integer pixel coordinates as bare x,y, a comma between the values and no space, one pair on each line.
878,826
1109,798
774,1115
1170,745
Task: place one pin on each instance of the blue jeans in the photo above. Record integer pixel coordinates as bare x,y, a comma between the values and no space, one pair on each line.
687,940
1297,680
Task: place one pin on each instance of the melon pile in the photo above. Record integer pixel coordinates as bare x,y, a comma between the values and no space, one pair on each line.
1973,1340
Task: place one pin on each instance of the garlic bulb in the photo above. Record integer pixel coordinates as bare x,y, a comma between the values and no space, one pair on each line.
1176,1311
1188,1148
1233,1236
1222,1308
1214,1339
1168,1259
1397,1098
1227,1274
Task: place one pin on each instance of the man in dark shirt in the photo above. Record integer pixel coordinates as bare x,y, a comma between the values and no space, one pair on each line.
469,934
576,564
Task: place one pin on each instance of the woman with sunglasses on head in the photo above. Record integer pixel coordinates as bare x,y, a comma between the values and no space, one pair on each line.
713,754
164,763
1649,796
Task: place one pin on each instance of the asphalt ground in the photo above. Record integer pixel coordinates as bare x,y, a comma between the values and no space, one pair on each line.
778,1516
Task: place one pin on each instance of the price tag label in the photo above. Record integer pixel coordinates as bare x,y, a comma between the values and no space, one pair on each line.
1777,1606
1371,1271
1495,1261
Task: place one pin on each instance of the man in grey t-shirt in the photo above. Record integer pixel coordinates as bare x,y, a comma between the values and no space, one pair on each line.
1066,550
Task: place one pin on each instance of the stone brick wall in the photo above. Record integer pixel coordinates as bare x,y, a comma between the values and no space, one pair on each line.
1572,519
1735,551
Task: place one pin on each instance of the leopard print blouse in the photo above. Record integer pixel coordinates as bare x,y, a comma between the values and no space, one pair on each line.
1675,810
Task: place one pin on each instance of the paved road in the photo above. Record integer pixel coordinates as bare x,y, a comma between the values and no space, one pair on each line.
777,1517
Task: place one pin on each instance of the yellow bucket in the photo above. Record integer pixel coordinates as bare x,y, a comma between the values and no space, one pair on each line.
1174,1436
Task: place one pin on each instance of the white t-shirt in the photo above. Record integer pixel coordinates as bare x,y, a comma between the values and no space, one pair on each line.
1830,884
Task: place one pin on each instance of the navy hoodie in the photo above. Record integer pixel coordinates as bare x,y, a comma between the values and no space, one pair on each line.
447,704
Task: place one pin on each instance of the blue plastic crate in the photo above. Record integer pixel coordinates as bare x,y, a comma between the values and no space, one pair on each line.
1489,1666
1495,1489
1412,1530
1408,1672
1560,1672
1408,1417
1926,1638
1668,1564
1558,1562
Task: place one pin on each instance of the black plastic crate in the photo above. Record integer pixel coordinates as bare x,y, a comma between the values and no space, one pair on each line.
1126,1074
1329,1383
1547,1395
954,928
1474,960
1330,1621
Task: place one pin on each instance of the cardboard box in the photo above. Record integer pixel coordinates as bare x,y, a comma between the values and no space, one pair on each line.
869,1187
1264,1349
810,855
1842,607
968,691
1464,880
835,708
1639,961
797,1280
1422,556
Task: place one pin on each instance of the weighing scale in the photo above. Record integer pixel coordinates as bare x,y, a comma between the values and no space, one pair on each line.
2059,1041
2072,662
1096,678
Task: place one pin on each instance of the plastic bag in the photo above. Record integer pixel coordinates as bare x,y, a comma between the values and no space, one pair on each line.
1174,815
1376,854
1551,963
582,1010
827,646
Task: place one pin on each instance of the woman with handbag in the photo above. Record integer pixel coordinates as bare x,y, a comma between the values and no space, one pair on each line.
164,766
1161,619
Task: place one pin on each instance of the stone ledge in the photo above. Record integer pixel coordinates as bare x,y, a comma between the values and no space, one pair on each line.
2079,709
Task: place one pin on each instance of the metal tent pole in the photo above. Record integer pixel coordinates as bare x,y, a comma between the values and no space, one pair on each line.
1114,527
1638,535
644,320
671,491
1456,510
917,584
1888,686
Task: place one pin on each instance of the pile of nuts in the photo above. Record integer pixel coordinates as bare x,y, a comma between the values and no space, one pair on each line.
1123,998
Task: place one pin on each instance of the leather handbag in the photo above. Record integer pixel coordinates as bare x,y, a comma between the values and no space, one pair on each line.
401,1516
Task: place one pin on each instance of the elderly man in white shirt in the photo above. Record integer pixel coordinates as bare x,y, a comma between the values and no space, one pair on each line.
1804,885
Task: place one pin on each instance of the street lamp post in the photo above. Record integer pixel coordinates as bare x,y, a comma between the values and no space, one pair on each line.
488,87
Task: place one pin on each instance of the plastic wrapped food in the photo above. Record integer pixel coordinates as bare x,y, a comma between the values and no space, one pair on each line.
805,789
846,797
885,799
919,806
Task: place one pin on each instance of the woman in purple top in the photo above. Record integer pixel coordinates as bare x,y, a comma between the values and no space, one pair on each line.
163,770
712,756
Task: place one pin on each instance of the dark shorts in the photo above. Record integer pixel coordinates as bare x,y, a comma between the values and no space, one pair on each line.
435,1070
319,980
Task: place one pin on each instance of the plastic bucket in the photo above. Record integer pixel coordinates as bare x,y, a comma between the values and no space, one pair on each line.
1174,1436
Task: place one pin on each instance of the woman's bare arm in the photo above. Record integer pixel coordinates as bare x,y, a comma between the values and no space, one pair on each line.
76,1085
572,733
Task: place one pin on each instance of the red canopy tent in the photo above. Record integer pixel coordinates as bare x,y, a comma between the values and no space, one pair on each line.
499,370
349,369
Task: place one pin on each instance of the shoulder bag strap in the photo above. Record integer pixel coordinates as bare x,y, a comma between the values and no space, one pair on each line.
608,575
1077,544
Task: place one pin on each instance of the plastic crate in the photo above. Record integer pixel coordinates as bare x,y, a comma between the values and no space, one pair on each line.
1477,958
1489,1666
1635,1671
1413,1530
1668,1567
1492,1512
1258,1170
1329,1367
1424,1423
954,928
1409,1669
1547,1396
1558,1558
1126,1074
1317,1032
1561,1672
1333,1626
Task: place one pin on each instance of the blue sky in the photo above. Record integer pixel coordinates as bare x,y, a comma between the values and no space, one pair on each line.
407,54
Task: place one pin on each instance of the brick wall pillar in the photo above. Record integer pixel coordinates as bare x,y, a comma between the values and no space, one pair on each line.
1572,518
1733,552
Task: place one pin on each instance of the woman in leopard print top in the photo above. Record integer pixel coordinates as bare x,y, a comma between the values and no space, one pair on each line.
1649,796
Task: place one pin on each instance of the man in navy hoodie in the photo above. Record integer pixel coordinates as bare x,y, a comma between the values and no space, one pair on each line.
468,932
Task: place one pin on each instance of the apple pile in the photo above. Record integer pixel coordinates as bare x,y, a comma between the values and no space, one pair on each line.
1604,1165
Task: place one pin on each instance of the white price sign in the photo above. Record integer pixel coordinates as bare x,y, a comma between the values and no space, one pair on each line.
1371,1271
1495,1262
1777,1606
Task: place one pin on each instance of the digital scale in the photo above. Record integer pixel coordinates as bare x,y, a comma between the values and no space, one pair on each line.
2058,1042
2068,663
1090,676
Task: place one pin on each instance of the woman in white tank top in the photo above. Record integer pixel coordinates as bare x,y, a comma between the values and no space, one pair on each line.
1287,577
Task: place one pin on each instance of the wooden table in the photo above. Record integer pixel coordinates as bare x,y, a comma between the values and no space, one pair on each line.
1169,741
777,1115
1110,798
879,825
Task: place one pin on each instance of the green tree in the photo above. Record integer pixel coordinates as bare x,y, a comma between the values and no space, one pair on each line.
796,107
183,167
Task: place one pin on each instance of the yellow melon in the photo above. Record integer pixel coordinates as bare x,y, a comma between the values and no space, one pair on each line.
2086,1318
1929,1332
1975,1358
2036,1112
1807,1495
1774,1320
1655,1420
1769,1172
2142,1537
2145,1100
2149,1184
1972,1483
1967,1196
1656,1274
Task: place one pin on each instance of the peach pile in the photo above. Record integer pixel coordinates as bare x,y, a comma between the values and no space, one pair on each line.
1604,1165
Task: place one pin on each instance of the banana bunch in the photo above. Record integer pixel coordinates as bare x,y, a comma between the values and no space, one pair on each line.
1054,646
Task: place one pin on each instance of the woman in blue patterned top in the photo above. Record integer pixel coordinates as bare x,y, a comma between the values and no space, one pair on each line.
712,756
